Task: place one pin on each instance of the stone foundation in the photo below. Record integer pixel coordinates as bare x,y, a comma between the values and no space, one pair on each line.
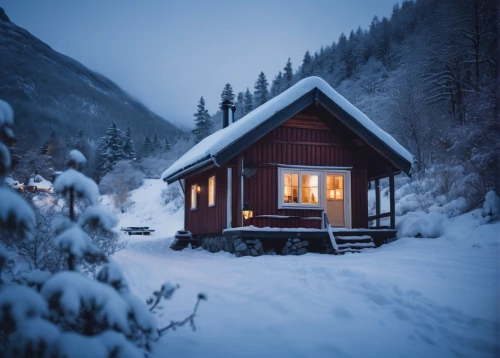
254,247
295,247
216,244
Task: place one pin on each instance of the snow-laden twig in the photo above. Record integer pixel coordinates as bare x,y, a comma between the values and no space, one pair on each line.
176,324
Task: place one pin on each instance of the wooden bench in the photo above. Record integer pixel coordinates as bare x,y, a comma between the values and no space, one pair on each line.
137,230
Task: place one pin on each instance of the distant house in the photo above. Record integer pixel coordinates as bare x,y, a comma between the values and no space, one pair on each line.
292,174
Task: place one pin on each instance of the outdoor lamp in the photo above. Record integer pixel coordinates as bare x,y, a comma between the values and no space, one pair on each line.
247,212
198,189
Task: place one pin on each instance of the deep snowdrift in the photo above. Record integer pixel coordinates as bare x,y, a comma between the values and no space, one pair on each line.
411,298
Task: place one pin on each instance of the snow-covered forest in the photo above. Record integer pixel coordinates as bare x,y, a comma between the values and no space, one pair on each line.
73,285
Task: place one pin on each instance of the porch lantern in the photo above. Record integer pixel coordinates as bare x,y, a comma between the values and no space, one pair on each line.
198,189
247,212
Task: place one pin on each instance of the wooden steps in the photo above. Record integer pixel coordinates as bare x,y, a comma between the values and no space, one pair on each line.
182,240
354,243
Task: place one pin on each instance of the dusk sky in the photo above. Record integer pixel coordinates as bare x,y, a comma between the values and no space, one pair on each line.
169,53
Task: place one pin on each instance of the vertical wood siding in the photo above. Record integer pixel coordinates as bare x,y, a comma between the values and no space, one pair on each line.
205,219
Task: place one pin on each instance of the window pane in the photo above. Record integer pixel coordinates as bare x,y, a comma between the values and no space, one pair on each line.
314,195
193,196
295,193
313,181
295,179
211,190
339,194
305,195
288,179
329,182
287,191
305,180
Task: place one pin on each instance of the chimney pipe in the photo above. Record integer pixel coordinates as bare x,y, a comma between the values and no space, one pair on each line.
225,106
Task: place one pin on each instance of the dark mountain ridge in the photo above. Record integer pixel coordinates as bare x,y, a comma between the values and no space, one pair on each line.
50,91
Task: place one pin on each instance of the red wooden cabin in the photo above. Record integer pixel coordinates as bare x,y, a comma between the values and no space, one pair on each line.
302,161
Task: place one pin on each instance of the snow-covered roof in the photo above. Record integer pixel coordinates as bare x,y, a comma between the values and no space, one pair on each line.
218,141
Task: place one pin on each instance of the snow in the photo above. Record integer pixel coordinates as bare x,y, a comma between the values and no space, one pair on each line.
219,140
97,216
19,303
147,208
14,208
77,157
75,293
410,298
75,241
14,184
41,183
80,183
6,114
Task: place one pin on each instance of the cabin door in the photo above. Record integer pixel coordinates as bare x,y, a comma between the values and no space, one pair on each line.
335,184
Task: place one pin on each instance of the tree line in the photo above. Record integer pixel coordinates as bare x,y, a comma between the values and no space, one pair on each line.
428,75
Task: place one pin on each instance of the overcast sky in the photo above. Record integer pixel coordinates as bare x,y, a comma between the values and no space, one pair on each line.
168,53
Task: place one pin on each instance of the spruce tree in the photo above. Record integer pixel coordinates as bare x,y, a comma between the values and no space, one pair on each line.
287,75
306,68
156,145
239,106
128,147
110,149
261,94
276,86
146,146
202,122
227,93
247,103
167,145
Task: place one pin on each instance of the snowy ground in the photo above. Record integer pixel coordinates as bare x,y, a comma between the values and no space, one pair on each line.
411,298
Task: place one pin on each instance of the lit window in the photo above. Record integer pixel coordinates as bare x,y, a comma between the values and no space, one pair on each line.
194,196
211,191
335,187
291,188
299,188
310,184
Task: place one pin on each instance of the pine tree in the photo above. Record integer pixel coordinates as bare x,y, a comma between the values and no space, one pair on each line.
110,149
261,94
287,74
239,106
167,145
227,93
156,145
247,103
146,146
306,68
202,120
128,147
276,86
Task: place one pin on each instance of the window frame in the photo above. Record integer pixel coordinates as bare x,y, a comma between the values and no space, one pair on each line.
194,196
213,204
299,205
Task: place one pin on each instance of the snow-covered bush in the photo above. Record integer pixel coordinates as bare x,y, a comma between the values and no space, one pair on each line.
173,194
123,178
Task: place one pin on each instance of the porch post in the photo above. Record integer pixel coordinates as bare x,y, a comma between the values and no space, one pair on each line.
239,191
391,198
377,201
229,198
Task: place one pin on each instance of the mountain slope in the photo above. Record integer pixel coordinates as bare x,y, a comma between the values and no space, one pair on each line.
50,91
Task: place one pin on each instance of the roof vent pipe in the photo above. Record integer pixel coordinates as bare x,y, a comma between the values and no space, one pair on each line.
225,106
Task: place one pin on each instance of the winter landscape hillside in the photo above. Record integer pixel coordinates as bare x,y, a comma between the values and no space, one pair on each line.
101,257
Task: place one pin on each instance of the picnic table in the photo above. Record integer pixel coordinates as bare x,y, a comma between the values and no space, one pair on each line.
137,230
